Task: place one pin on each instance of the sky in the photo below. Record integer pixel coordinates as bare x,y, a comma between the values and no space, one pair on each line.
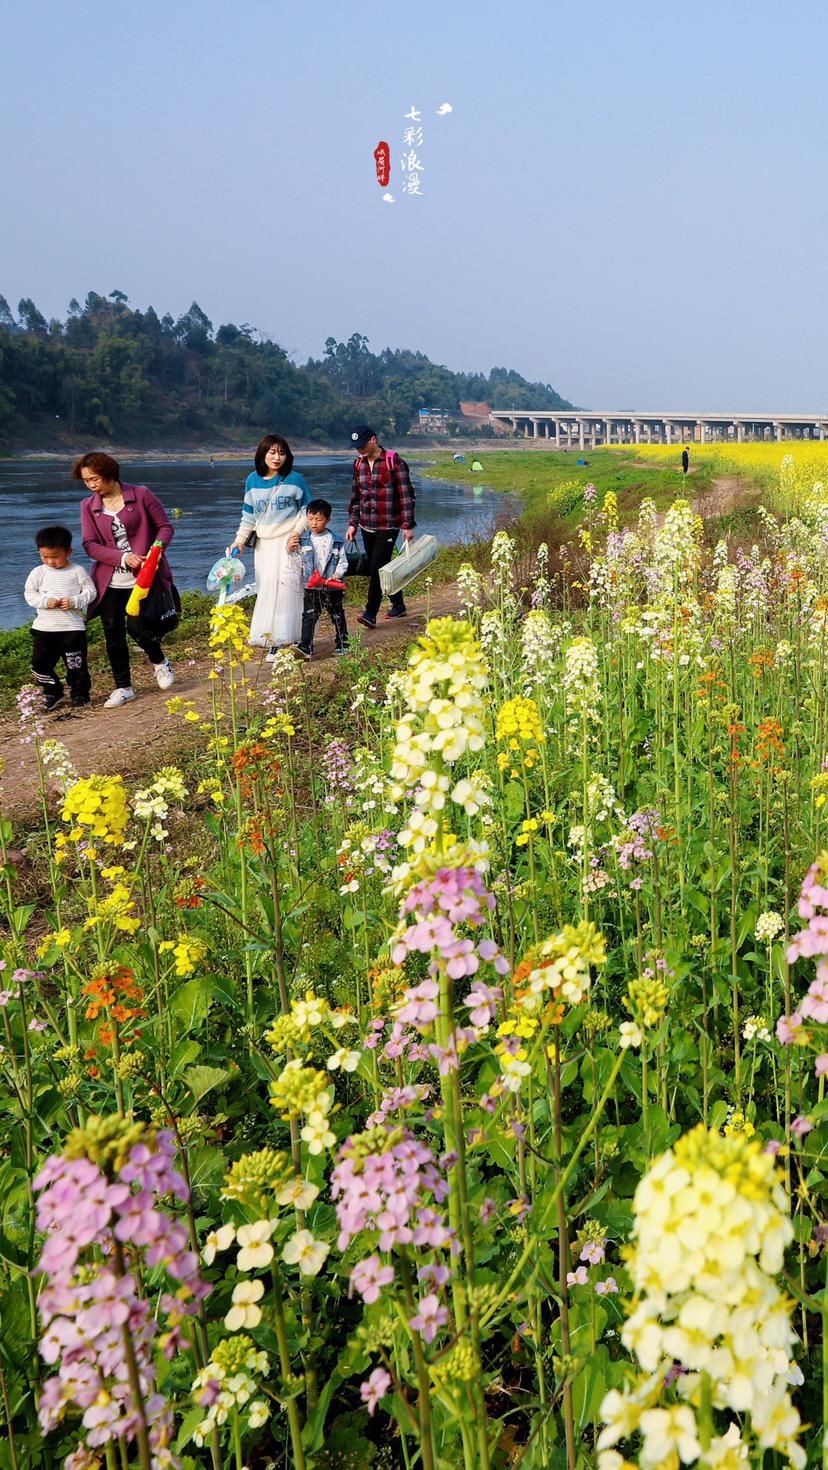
627,200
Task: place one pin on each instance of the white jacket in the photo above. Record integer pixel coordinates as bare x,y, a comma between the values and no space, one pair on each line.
70,581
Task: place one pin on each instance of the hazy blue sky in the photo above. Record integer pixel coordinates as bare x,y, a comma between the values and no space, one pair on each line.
628,200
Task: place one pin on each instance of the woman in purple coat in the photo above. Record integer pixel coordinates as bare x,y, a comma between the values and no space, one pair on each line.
118,526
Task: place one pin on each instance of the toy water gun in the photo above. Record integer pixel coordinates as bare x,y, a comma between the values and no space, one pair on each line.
144,579
316,580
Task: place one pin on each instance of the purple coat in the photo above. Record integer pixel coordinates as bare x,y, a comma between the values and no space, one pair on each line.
144,519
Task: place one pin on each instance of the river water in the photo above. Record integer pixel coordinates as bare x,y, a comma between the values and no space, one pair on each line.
204,504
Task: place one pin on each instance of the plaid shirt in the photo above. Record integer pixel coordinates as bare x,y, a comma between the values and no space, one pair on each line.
381,501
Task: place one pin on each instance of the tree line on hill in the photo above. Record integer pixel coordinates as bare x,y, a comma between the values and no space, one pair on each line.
110,371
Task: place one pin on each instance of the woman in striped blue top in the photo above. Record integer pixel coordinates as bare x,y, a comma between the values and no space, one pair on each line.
275,496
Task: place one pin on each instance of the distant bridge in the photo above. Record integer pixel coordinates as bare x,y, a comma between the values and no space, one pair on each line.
575,428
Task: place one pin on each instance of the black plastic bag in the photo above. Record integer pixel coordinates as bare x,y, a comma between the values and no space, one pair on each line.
358,563
160,612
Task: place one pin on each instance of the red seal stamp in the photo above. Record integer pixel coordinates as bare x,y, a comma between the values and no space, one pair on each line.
382,157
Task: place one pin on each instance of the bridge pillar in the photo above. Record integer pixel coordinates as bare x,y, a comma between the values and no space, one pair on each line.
668,432
702,428
777,430
557,433
608,425
581,443
637,431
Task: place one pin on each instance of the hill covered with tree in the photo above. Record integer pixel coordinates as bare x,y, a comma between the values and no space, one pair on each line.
109,371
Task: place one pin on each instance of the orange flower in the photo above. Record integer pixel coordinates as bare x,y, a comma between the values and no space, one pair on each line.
119,995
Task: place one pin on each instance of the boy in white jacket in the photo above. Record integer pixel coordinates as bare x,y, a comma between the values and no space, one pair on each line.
61,593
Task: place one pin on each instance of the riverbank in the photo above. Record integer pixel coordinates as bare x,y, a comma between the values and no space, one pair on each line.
145,735
420,447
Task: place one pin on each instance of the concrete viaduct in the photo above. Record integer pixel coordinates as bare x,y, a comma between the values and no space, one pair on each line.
577,429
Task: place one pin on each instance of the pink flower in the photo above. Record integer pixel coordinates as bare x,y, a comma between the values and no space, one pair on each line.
578,1277
773,1146
815,1003
375,1388
606,1288
432,1315
800,1126
437,1275
594,1252
369,1276
481,1001
418,1004
821,1064
788,1028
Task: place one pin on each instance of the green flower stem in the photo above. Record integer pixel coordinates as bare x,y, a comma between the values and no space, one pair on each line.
237,1444
531,1247
423,1384
825,1368
142,1428
563,1260
291,1407
9,1425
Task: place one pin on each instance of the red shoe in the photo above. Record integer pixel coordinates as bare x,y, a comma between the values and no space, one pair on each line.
314,581
335,584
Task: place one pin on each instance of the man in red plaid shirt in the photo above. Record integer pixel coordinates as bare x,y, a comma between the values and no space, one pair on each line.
382,505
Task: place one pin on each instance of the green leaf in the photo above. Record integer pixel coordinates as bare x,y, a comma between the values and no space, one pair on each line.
183,1054
191,1003
202,1080
207,1165
190,1422
515,799
20,918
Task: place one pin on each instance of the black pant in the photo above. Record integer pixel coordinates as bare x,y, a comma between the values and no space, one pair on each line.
112,612
47,648
319,600
379,548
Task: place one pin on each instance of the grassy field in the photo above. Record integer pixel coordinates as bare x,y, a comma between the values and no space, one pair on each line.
554,481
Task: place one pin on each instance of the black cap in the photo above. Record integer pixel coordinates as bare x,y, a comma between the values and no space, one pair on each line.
361,435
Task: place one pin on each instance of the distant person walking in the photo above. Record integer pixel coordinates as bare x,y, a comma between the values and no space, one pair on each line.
382,505
275,496
685,460
119,523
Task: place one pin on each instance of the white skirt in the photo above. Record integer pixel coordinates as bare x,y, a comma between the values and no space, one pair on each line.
277,615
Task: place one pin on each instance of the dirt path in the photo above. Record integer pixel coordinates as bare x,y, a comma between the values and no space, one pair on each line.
140,737
726,493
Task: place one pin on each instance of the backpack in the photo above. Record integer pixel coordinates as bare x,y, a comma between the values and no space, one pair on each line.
391,459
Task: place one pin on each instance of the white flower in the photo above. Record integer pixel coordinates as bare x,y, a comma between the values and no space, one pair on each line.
297,1192
316,1133
768,925
218,1240
244,1312
668,1431
347,1060
621,1415
255,1242
258,1414
305,1252
630,1034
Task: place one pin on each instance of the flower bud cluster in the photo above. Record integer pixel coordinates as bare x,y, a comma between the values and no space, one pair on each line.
229,1382
711,1224
98,1209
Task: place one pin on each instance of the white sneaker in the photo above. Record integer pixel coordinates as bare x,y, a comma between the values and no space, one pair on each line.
164,674
119,697
270,657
